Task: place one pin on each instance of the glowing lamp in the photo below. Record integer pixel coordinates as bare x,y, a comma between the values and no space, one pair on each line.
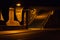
18,4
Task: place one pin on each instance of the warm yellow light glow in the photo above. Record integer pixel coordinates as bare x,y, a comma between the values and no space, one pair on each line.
52,12
1,17
13,31
11,8
25,19
19,13
18,4
11,14
11,21
42,16
32,16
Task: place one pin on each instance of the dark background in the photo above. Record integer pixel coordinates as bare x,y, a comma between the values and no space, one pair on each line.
54,3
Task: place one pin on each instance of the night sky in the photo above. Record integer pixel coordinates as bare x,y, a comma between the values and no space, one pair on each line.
31,2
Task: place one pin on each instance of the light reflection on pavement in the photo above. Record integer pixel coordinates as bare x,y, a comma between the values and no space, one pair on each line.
26,30
19,31
17,34
24,34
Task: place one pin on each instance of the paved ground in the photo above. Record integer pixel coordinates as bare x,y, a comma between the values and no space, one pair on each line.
31,34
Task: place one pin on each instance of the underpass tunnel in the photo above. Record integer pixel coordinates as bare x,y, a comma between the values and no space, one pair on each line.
37,16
